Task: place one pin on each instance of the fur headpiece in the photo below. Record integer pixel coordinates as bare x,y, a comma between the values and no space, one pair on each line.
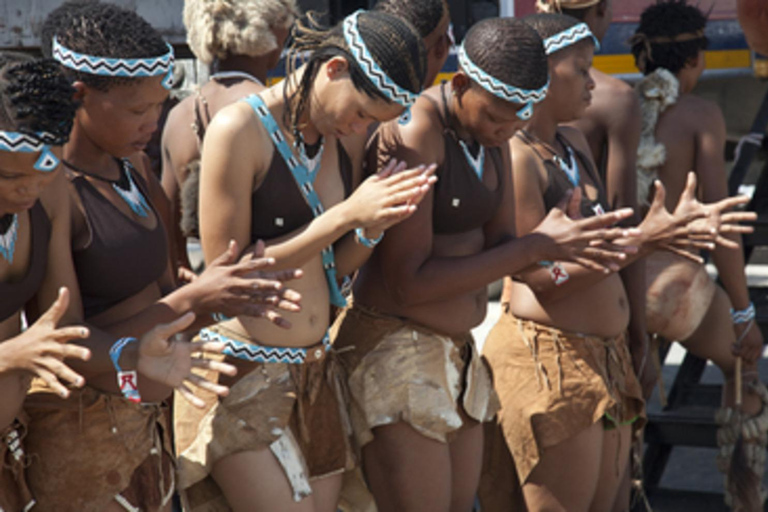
657,91
218,28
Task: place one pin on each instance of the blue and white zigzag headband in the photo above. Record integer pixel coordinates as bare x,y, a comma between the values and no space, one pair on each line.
375,74
107,66
568,37
504,91
16,142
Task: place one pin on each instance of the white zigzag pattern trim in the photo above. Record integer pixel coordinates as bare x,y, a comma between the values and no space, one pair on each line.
568,37
497,87
372,70
16,142
255,353
107,66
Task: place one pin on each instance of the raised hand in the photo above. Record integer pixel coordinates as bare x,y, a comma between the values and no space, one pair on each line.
585,241
42,348
390,195
168,360
246,287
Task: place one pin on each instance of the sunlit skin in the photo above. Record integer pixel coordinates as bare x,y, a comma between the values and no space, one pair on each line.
179,142
236,157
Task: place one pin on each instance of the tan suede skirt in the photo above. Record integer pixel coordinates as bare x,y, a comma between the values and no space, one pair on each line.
93,448
554,384
294,410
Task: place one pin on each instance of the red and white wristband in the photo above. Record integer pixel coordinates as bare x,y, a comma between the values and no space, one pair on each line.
128,381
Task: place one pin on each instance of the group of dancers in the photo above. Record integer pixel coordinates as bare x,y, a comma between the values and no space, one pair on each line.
351,218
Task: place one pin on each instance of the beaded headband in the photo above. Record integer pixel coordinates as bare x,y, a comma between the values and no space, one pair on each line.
504,91
16,142
375,74
107,66
568,37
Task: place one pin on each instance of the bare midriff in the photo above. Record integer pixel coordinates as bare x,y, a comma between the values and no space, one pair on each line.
454,315
600,310
308,326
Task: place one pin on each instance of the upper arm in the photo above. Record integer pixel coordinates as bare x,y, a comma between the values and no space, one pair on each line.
502,226
60,269
234,150
623,138
528,186
710,160
408,244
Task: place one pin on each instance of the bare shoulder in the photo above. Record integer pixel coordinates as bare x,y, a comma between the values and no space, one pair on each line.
55,196
422,129
699,110
615,100
180,116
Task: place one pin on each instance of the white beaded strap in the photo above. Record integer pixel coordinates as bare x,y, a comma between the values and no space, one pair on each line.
372,70
500,89
108,66
569,37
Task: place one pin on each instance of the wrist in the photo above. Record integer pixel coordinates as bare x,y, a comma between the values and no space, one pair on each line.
743,316
368,238
127,377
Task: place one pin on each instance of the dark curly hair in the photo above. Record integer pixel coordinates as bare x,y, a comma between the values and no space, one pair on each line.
104,30
36,97
393,43
424,15
509,50
654,44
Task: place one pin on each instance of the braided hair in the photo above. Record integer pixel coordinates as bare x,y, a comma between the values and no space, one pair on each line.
102,29
393,43
549,24
509,50
424,15
35,96
668,19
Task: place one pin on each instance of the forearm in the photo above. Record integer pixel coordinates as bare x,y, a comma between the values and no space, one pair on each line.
442,278
299,248
350,255
730,268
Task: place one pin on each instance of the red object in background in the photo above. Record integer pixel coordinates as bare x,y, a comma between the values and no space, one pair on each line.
753,16
629,10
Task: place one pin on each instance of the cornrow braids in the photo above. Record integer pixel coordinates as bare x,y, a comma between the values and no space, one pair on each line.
509,50
36,97
655,46
393,43
102,29
424,15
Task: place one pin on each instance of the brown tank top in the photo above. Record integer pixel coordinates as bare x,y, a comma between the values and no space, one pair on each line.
122,257
278,207
13,296
558,182
462,202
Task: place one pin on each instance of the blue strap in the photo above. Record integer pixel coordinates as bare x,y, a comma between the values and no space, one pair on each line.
305,183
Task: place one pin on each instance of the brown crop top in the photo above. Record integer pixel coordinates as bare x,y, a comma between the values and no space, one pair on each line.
14,295
278,207
461,201
558,183
122,257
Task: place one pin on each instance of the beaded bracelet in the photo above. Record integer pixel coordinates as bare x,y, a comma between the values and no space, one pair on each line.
743,316
367,242
127,381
